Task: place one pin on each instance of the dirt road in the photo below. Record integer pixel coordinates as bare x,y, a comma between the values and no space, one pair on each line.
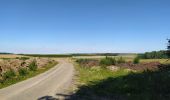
50,83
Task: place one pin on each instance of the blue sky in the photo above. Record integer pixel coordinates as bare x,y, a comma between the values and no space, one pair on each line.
83,26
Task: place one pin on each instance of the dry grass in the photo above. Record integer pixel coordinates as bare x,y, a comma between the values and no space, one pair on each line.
10,56
128,57
163,61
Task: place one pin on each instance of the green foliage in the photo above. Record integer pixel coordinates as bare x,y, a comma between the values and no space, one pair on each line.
108,61
33,66
9,74
23,71
88,62
121,60
22,58
153,55
136,60
168,47
81,60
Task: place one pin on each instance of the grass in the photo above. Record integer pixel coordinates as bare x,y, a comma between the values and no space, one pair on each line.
86,75
19,78
163,61
102,84
10,56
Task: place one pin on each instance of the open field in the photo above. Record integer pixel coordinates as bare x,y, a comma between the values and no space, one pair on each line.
128,57
155,60
10,56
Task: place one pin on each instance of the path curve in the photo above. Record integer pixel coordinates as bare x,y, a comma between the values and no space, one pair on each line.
50,83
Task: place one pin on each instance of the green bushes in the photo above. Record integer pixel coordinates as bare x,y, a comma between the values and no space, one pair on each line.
154,55
88,62
33,66
9,74
111,61
23,71
108,61
136,60
22,58
121,60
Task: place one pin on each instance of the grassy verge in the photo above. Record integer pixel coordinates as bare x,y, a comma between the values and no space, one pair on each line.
102,84
87,75
30,74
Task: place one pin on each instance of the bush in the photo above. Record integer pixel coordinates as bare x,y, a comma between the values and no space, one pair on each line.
108,61
33,66
88,62
121,60
136,60
9,74
22,58
23,71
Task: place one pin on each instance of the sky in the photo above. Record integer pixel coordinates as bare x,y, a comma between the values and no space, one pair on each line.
84,26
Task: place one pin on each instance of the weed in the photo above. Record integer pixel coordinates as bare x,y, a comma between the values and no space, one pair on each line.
23,71
108,61
33,66
9,74
136,60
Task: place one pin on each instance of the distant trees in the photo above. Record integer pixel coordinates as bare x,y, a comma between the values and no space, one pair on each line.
157,54
153,55
168,49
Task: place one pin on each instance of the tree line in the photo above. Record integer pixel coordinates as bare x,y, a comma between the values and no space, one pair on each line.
163,54
154,55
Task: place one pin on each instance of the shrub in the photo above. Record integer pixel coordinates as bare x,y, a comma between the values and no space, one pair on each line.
121,60
108,61
33,66
22,58
136,60
9,74
88,62
23,71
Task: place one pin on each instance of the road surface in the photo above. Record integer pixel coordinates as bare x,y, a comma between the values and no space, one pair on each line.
50,83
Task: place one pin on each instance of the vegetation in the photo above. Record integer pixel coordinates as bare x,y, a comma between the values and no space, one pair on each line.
77,54
11,77
168,47
9,74
112,61
46,55
22,58
136,60
33,66
121,60
108,61
154,55
23,71
5,53
97,83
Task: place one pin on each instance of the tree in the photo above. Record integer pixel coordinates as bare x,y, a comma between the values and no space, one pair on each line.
136,60
168,49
